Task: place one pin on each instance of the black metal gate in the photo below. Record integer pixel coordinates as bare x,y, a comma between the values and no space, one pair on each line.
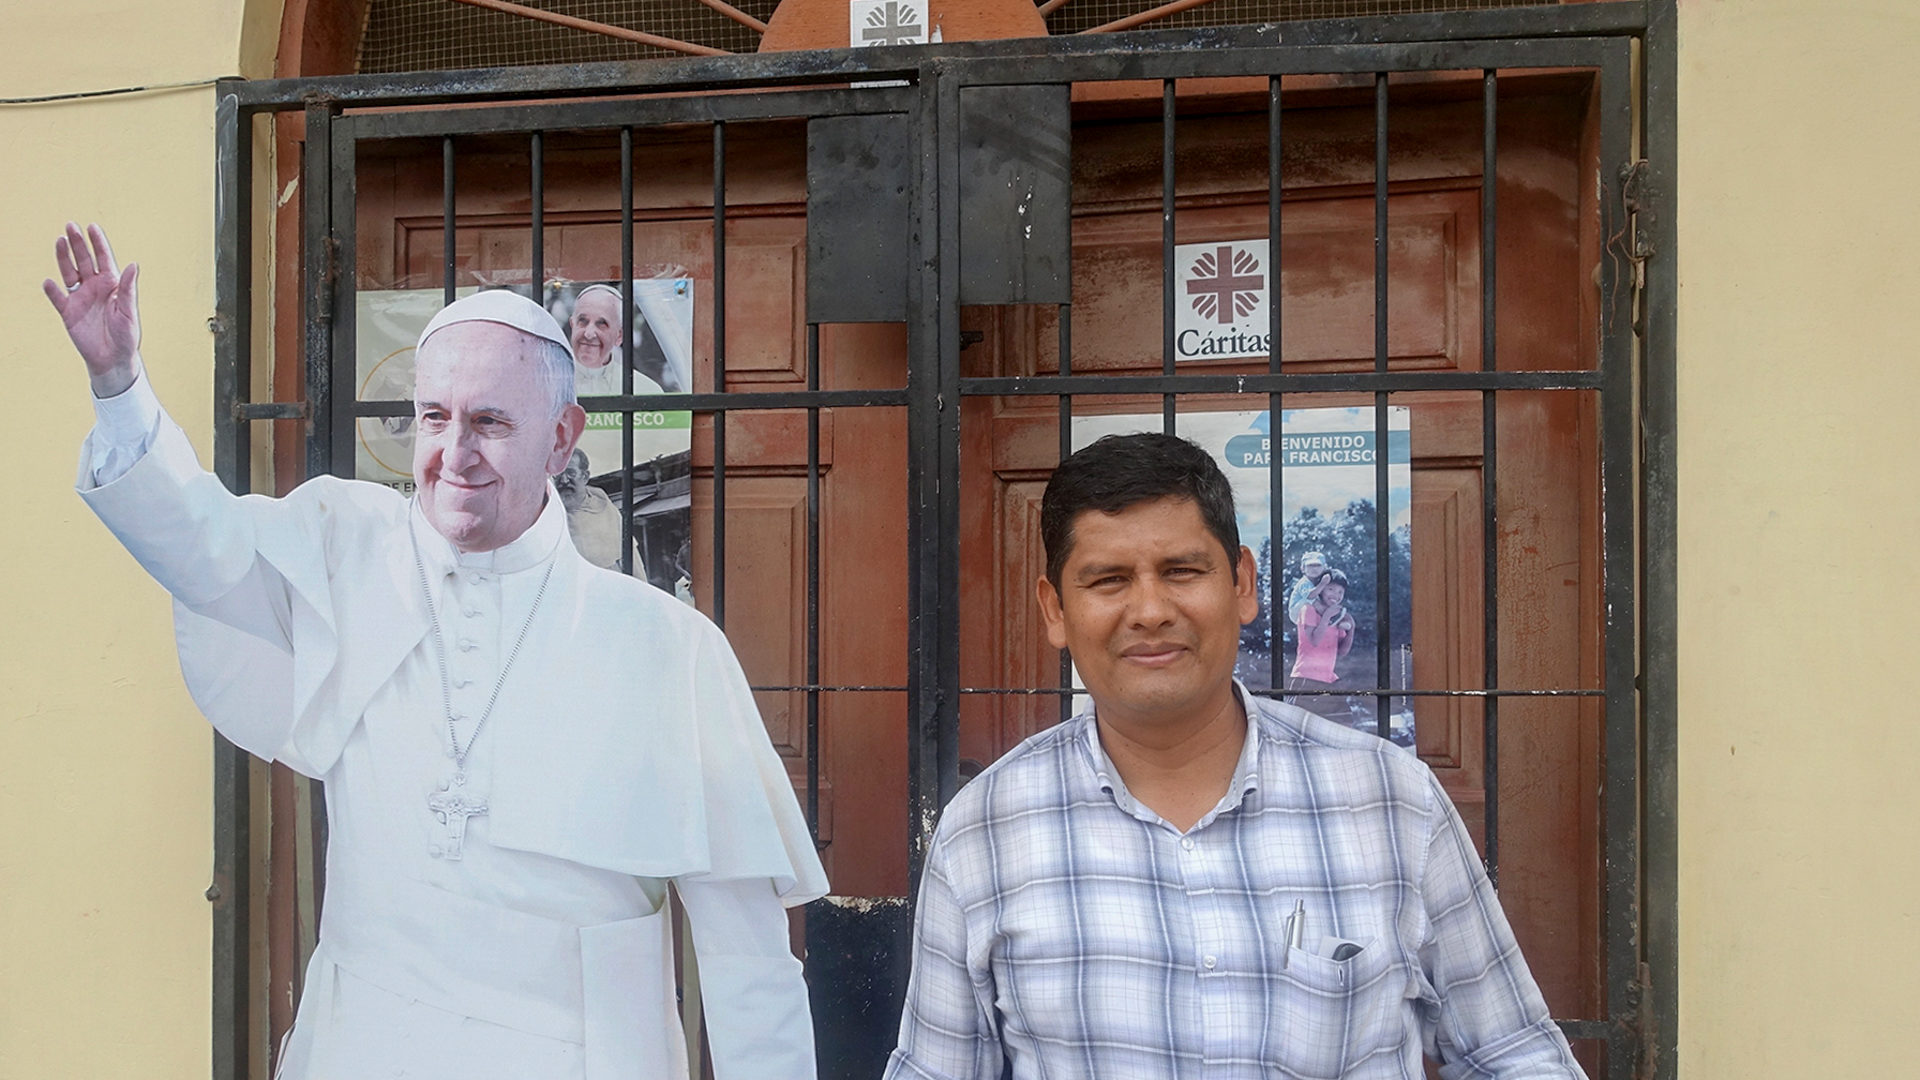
911,160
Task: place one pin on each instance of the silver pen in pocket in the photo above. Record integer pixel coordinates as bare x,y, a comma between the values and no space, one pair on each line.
1296,926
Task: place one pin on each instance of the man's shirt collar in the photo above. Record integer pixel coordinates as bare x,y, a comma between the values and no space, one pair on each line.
1246,772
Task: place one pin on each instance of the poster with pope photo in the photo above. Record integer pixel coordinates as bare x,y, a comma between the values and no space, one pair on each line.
1324,554
593,487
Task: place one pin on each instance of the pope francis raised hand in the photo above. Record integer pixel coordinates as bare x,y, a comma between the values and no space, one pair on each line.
521,751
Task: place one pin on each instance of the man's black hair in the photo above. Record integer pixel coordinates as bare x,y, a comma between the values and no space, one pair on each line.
1120,471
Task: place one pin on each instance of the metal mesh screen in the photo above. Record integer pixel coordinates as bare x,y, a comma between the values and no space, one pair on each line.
437,35
1078,15
440,35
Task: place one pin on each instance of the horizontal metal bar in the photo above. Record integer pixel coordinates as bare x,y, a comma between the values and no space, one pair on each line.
1585,1029
679,74
1621,17
635,112
270,410
702,403
1356,691
823,688
1319,383
1393,691
1265,60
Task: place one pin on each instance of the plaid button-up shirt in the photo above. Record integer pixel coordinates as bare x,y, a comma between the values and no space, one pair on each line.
1065,924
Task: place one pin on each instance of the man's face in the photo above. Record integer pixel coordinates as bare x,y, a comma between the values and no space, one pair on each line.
486,436
595,331
572,481
1150,609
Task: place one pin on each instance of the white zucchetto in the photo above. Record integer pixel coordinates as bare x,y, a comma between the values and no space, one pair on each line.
503,306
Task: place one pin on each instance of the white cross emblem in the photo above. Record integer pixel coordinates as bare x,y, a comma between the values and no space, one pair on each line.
887,22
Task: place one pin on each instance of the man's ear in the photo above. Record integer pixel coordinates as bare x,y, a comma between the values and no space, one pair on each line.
1246,586
1051,613
567,428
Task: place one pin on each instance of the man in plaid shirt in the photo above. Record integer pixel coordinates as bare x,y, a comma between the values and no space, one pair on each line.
1187,881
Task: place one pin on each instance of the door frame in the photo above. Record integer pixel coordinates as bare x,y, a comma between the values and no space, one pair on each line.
1630,44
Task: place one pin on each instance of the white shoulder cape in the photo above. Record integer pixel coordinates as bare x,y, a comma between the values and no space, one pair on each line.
646,755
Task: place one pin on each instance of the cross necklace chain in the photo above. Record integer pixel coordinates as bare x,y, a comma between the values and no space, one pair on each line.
453,804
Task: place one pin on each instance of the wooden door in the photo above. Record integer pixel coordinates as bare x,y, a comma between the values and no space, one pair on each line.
1548,555
1547,548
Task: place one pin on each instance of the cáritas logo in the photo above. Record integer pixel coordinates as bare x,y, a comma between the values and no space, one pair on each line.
1225,289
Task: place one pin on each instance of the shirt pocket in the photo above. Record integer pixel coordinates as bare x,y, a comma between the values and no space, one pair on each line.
1339,1018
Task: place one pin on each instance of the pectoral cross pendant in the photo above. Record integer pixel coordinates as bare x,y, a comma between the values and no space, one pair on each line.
452,805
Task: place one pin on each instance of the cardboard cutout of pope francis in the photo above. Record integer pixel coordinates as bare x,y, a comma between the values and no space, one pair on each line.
521,751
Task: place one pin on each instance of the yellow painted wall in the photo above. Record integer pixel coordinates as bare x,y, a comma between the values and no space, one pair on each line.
1799,537
1799,570
105,793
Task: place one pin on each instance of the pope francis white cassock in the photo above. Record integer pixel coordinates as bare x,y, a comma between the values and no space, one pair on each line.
520,750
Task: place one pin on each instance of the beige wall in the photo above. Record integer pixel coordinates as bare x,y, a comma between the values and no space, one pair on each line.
1799,129
105,805
1799,521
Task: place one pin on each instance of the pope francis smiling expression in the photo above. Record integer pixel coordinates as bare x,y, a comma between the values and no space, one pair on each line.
489,432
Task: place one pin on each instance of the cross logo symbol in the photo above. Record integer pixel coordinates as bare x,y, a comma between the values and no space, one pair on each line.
1225,284
893,23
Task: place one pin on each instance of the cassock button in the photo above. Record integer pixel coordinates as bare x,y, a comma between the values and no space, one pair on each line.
474,579
471,613
462,684
468,644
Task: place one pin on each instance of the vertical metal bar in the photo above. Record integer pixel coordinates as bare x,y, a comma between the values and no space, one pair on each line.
1066,450
813,586
446,219
1490,464
946,611
232,300
719,609
933,392
626,348
1382,564
926,289
1659,529
341,430
1620,785
537,198
1276,442
1167,269
229,891
343,191
317,279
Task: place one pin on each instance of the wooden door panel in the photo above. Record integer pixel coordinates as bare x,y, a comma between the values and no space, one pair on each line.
1326,283
766,582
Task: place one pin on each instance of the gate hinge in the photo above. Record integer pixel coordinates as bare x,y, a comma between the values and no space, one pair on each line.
1628,238
1633,193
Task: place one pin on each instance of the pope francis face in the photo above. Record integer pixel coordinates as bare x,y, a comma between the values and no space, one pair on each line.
595,330
487,434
